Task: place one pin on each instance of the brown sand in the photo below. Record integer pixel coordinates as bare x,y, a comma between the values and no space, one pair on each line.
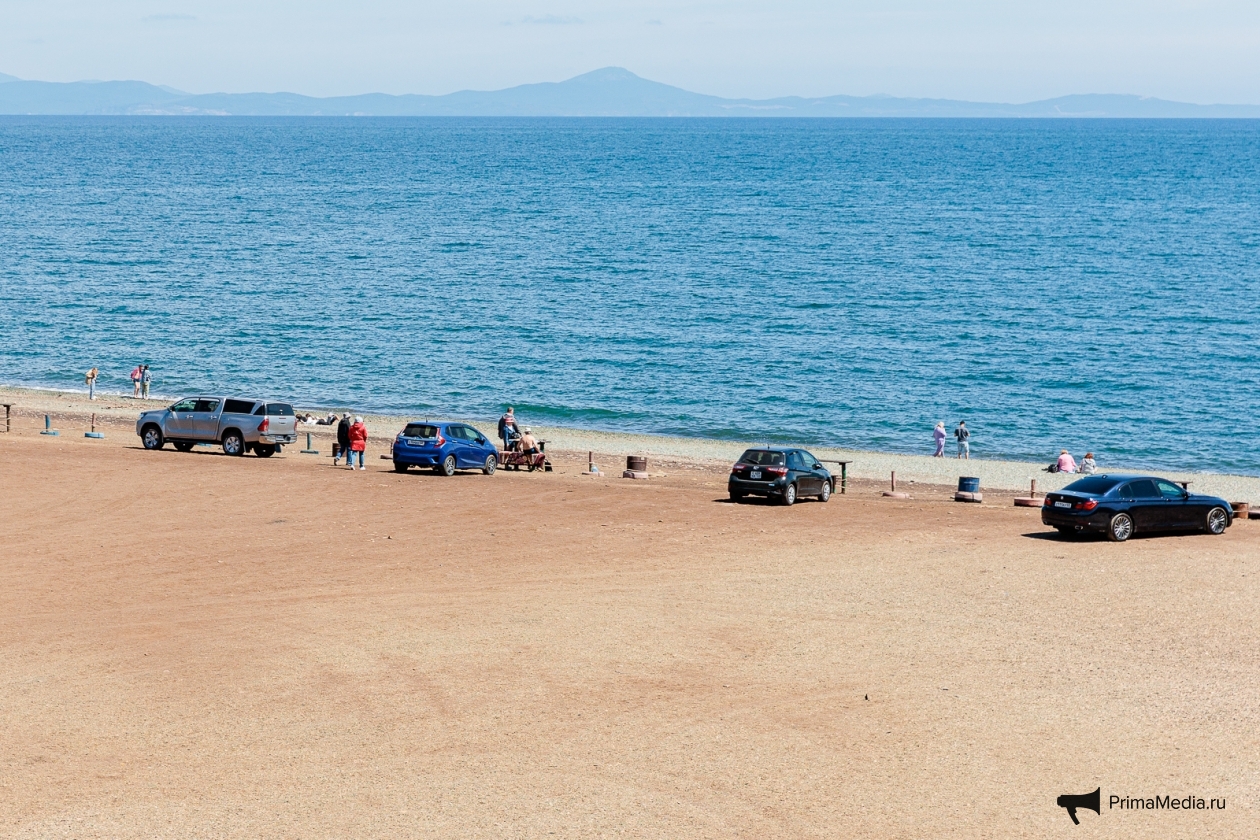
203,646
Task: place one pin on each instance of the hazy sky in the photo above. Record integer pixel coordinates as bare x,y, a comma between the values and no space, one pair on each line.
1006,50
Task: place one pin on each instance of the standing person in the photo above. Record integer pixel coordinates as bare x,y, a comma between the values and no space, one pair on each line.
964,440
358,443
938,434
135,382
145,378
90,379
507,428
343,440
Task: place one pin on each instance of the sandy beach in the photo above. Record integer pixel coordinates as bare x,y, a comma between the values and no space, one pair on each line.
203,646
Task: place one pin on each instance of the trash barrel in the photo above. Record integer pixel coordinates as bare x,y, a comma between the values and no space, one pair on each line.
637,463
968,484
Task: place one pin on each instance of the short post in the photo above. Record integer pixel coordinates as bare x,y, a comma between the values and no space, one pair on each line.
94,434
48,429
7,406
844,477
1032,494
894,481
309,450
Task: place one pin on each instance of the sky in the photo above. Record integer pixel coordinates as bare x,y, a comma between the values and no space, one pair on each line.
1205,51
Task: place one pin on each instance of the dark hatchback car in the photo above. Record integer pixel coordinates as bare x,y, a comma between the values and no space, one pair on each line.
1123,505
781,474
446,447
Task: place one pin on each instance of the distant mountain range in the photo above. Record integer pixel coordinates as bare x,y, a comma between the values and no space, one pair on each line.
610,92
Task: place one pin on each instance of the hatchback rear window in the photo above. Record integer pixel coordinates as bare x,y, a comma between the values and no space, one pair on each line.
762,457
1094,485
279,410
420,430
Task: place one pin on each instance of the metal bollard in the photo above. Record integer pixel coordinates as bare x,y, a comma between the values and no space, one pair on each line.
94,433
309,450
48,429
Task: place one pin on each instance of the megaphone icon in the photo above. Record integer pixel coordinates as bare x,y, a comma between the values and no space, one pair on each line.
1072,801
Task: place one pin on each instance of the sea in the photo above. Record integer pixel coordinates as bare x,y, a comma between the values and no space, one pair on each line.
1079,284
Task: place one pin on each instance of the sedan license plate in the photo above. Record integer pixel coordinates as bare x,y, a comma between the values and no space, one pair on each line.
1063,504
755,474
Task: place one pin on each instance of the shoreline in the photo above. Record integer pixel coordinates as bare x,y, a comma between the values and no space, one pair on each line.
115,410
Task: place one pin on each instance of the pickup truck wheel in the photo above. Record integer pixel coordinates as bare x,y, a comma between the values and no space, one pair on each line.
263,450
184,447
492,463
448,466
233,444
152,438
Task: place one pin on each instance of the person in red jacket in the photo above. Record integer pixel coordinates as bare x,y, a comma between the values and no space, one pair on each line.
358,443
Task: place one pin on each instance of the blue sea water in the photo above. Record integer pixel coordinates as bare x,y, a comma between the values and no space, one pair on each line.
1080,284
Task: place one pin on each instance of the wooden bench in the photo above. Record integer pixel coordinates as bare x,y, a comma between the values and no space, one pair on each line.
844,473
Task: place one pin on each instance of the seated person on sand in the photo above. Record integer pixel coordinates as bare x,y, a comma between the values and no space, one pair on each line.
528,443
1088,465
1067,464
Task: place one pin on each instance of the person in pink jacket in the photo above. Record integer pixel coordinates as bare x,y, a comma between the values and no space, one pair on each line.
1066,463
358,443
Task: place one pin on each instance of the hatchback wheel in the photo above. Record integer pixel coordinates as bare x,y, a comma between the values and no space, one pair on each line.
448,466
826,492
737,496
233,444
1120,528
492,463
152,437
789,494
400,467
1217,520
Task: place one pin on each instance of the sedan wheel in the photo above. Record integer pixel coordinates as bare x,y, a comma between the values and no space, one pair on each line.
448,466
1217,520
492,463
1120,528
789,494
152,437
826,492
233,444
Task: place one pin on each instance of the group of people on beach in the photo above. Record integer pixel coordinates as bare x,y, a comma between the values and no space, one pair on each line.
352,438
141,378
516,439
962,435
1067,464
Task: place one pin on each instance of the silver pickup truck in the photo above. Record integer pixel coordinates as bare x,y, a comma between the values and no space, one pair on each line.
239,425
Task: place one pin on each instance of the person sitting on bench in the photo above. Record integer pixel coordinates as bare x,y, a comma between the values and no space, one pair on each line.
528,443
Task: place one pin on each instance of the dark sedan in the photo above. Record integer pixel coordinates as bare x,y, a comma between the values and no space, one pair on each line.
782,474
1123,505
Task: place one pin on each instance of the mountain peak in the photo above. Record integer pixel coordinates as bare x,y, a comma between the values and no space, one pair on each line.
606,74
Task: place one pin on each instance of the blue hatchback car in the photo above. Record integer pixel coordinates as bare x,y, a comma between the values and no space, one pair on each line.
445,447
